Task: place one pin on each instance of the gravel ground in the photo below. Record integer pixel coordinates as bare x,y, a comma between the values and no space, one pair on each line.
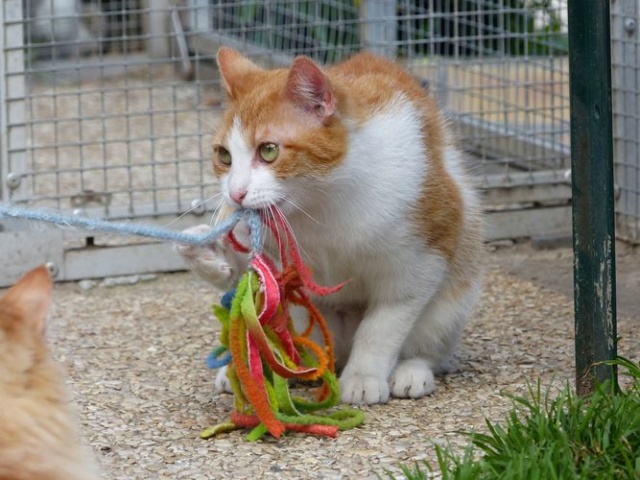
135,357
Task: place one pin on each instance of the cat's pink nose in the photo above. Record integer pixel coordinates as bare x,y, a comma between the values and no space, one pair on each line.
238,195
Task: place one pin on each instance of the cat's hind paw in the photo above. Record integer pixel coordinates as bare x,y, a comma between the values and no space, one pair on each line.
222,383
363,389
412,378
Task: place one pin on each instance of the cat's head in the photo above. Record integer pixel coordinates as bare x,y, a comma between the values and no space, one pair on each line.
23,313
281,133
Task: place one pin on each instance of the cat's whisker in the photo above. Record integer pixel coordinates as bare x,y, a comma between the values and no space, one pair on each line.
293,233
267,217
209,124
321,190
279,225
217,213
279,239
200,120
298,207
193,207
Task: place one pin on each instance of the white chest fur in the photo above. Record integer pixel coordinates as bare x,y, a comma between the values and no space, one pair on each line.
362,227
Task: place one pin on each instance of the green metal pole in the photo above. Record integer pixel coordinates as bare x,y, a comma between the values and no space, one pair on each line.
593,199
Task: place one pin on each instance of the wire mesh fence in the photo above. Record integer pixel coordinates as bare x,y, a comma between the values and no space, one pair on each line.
499,66
107,106
96,122
625,50
117,99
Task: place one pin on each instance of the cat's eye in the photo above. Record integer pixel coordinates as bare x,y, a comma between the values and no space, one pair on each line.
224,157
269,152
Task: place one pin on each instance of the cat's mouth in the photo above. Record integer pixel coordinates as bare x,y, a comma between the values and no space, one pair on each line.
267,206
277,207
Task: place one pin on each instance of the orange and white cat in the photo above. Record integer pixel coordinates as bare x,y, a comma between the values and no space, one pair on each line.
359,160
39,438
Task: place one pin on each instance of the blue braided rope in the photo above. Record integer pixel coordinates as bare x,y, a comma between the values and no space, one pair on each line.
93,224
219,358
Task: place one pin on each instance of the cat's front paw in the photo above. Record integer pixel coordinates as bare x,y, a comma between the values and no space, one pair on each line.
208,261
222,383
358,389
412,378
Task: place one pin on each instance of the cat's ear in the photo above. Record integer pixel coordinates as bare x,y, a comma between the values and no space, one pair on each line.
308,87
234,70
30,299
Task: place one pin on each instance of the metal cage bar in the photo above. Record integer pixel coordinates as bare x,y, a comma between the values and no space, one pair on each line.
593,199
625,53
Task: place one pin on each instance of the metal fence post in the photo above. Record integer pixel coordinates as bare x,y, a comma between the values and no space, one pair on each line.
3,139
593,199
379,30
157,29
625,51
12,98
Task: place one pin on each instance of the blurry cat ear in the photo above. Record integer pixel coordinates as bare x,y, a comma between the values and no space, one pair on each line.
308,87
30,298
234,69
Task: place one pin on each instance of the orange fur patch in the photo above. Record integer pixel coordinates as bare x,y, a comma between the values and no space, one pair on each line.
39,435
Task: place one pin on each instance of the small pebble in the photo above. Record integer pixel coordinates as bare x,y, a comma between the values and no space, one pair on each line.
87,284
127,280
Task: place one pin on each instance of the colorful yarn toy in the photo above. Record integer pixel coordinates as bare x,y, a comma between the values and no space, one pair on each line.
264,352
259,342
